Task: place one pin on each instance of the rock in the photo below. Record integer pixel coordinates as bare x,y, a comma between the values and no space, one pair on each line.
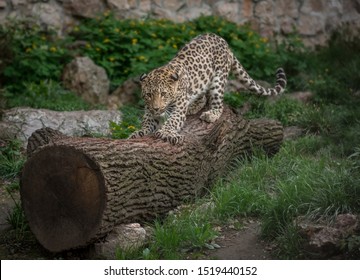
125,237
325,241
49,15
227,10
287,8
287,25
83,8
128,8
2,4
20,123
87,80
310,25
313,6
191,13
125,94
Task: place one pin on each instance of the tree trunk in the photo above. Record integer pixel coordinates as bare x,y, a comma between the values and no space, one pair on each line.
75,190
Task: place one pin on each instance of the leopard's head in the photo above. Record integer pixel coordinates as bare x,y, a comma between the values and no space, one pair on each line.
159,89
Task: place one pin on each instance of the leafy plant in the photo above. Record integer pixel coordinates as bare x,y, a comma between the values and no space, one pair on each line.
130,122
16,219
36,54
11,159
46,94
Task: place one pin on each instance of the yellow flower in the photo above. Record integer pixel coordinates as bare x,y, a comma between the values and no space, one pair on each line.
43,38
53,49
134,41
174,46
106,40
131,127
33,46
160,47
111,59
88,46
97,49
106,13
264,40
257,46
117,30
76,29
28,50
250,33
142,58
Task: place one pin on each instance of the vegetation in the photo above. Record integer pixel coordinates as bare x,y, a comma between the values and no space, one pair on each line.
316,175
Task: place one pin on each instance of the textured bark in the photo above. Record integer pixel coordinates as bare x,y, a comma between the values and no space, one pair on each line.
75,190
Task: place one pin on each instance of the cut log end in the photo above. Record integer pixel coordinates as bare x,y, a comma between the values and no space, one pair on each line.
63,198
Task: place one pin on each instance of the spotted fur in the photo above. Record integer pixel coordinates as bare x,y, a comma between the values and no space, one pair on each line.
195,76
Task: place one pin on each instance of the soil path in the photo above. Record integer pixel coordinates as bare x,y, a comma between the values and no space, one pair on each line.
241,244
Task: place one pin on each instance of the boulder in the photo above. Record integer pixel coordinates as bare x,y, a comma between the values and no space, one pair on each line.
124,237
83,8
87,80
125,94
20,123
324,240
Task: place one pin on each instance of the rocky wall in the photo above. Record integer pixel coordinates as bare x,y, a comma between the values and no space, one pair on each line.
314,19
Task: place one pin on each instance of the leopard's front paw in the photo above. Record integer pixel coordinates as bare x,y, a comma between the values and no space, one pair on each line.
211,115
136,134
172,137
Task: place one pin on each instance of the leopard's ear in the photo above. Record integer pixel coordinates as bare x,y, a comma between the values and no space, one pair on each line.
174,77
142,77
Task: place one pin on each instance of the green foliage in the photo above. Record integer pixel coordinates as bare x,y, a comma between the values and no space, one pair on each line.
11,159
174,236
46,94
130,122
127,48
284,109
289,185
17,220
36,54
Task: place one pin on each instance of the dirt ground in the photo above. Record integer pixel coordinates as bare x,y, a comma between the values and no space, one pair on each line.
236,242
241,244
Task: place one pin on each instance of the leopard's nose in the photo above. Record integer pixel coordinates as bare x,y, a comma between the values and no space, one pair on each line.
156,110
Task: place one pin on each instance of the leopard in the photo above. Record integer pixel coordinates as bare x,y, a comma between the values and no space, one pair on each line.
194,79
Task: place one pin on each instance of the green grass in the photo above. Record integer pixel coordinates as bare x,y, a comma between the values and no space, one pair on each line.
46,94
12,160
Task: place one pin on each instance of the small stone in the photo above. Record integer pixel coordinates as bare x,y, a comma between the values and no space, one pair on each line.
126,236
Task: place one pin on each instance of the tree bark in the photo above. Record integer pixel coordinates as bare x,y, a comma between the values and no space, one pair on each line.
75,190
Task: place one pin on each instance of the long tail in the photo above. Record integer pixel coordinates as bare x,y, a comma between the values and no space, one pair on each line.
241,74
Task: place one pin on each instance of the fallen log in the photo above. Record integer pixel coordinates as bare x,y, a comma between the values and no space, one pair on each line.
76,190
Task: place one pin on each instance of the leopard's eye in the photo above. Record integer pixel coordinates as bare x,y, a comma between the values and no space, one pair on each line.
147,95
